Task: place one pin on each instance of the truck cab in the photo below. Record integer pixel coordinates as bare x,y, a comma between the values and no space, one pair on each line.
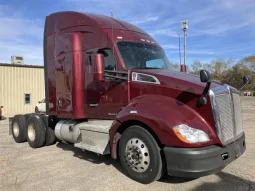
110,89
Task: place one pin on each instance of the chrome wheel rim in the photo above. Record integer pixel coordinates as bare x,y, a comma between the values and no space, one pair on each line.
16,129
137,155
31,132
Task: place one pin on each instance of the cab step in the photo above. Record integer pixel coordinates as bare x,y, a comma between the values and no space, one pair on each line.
95,136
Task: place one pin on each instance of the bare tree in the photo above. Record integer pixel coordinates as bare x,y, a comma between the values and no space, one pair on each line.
249,62
175,66
196,66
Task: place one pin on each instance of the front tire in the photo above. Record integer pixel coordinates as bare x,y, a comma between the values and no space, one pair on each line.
140,155
36,131
19,128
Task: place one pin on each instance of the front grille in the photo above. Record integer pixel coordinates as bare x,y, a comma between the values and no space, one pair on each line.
223,102
226,106
238,114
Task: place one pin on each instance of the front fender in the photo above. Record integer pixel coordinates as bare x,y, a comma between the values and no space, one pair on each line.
161,114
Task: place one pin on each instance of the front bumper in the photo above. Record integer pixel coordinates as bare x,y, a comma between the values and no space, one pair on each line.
197,162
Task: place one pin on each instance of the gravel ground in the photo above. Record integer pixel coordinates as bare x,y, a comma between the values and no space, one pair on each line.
63,167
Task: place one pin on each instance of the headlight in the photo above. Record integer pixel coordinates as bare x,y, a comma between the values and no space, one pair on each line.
190,135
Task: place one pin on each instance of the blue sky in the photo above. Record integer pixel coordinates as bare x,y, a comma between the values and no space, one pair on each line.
217,29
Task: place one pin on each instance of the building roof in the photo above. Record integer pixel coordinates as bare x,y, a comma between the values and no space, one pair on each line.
22,66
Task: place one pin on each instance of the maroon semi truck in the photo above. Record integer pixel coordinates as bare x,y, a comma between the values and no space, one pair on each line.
110,89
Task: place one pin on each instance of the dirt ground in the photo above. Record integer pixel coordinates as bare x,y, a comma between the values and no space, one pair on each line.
63,167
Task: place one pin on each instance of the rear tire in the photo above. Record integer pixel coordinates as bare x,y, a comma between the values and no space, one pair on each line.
19,128
36,131
28,115
50,136
140,155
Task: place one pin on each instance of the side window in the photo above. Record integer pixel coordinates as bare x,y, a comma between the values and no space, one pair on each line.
27,98
109,62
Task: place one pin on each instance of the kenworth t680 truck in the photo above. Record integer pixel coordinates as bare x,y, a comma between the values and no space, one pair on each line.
111,90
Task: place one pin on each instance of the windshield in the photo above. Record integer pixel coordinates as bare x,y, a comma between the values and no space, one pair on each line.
138,55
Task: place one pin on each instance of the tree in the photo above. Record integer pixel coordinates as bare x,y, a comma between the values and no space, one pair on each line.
249,62
196,67
218,66
175,66
234,76
227,72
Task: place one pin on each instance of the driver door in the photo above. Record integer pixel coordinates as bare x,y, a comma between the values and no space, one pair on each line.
108,95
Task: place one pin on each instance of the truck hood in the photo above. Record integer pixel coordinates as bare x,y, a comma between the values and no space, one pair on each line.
178,80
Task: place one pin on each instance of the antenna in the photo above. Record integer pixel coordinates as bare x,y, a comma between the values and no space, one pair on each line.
113,40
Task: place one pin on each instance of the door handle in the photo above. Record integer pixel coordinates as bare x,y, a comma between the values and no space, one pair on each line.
60,102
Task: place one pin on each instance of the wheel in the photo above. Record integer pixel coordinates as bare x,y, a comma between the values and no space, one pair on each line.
140,155
28,115
36,131
19,128
36,110
50,136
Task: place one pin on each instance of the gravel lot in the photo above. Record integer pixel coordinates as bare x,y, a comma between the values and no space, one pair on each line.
63,167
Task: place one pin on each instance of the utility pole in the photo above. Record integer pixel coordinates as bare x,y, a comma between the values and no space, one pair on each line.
184,28
180,50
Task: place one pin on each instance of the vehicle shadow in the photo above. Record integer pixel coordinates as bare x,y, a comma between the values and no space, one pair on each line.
175,180
90,156
227,181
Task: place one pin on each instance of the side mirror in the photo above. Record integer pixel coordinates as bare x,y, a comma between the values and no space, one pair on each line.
98,63
205,76
246,80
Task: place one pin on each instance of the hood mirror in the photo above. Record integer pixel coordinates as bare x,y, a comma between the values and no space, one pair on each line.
205,76
246,81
